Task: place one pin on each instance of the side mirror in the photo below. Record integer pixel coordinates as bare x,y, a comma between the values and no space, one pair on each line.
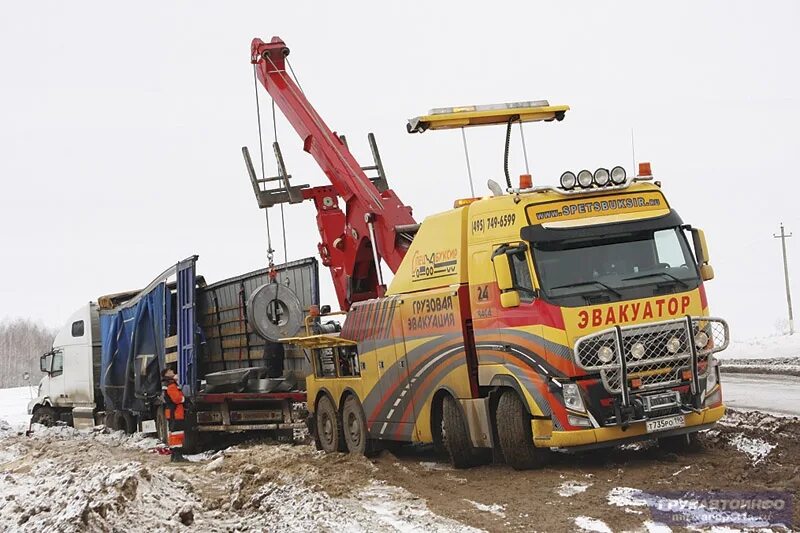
701,251
44,362
509,299
509,296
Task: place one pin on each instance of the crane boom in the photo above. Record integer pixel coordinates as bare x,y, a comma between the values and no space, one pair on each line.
372,226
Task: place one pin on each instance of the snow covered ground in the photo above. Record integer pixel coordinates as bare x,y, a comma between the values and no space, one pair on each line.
779,346
14,405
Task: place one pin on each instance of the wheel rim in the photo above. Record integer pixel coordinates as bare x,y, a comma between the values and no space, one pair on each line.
327,429
355,429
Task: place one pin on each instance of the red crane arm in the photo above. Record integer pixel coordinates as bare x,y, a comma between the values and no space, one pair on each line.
372,220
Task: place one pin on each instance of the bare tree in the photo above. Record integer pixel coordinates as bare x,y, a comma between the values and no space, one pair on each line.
22,341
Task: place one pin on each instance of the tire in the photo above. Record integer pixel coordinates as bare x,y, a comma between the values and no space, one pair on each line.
112,421
437,431
514,432
329,428
354,427
46,416
680,443
128,423
456,435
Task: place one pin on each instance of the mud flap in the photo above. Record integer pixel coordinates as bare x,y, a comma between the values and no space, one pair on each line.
476,413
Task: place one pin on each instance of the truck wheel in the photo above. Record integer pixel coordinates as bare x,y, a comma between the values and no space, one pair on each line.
45,416
329,431
111,421
354,427
127,423
456,434
514,431
437,431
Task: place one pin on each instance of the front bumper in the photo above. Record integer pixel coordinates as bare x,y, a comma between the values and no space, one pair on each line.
586,439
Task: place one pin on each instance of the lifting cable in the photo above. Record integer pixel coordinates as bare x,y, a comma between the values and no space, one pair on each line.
284,181
270,251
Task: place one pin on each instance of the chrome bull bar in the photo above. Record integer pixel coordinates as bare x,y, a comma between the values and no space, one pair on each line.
657,354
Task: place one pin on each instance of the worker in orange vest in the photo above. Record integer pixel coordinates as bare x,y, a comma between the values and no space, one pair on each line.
174,412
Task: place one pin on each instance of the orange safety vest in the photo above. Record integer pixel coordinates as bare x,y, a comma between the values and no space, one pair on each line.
174,398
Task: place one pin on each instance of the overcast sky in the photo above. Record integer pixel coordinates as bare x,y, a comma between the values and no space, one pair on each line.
121,127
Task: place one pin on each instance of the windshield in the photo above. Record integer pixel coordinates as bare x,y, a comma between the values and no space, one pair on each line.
624,266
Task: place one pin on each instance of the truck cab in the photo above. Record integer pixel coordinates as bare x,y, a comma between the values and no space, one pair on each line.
68,391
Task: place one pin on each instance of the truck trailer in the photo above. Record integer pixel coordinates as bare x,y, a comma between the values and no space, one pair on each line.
106,362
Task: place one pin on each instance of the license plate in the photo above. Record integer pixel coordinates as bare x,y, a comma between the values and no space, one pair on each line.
662,424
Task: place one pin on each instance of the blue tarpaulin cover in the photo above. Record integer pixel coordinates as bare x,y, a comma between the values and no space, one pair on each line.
133,350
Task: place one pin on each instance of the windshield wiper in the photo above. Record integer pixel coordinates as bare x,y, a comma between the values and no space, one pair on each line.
642,276
592,282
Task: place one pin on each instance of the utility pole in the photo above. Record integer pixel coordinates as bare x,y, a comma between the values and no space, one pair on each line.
783,236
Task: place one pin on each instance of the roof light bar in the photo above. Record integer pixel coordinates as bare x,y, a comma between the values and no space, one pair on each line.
488,107
601,177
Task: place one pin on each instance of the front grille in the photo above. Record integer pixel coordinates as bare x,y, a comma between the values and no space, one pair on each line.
664,351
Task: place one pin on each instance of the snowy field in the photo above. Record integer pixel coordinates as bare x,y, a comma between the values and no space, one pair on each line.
779,346
14,404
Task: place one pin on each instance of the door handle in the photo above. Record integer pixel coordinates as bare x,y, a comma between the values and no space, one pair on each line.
402,363
380,364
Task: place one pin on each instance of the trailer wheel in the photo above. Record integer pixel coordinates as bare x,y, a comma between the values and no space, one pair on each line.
456,434
111,421
354,427
127,423
328,427
514,432
45,416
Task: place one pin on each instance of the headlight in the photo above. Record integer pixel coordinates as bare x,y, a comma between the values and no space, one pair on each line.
585,178
601,177
568,180
617,175
673,345
605,354
711,380
701,339
637,350
572,396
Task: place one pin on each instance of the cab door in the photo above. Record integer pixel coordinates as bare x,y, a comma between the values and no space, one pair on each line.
520,314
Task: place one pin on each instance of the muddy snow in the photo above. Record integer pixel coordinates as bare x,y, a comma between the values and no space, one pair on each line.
60,479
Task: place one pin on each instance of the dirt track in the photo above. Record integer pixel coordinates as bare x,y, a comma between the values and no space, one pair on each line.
105,482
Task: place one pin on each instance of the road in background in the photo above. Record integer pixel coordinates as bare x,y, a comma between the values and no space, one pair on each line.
765,392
